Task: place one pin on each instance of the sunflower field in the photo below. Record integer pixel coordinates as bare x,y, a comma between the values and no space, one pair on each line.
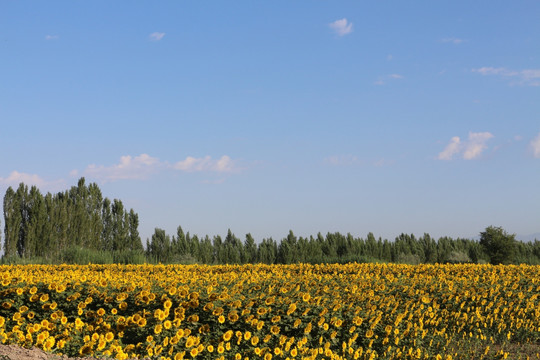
351,311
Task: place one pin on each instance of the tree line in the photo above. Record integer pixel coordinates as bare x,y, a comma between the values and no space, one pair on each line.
48,226
79,225
495,246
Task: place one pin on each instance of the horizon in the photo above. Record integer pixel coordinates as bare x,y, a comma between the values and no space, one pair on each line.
262,118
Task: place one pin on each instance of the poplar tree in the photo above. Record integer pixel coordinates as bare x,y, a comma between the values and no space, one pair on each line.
35,224
205,251
135,243
250,250
158,249
181,245
107,231
21,206
79,219
12,222
61,222
233,248
95,222
218,255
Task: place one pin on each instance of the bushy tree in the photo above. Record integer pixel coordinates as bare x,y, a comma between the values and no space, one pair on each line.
498,245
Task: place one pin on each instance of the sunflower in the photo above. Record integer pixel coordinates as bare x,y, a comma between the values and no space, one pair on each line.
228,335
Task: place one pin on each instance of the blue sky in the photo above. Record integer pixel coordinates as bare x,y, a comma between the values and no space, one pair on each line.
263,117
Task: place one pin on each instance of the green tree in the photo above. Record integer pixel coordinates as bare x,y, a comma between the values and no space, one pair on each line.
250,250
181,245
22,208
135,243
120,228
498,245
36,224
267,251
287,249
233,248
218,254
159,246
107,230
79,217
12,222
205,250
95,224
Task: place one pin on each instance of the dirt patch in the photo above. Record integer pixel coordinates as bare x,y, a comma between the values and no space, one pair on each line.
14,352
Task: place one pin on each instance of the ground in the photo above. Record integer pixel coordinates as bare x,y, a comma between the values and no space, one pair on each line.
13,352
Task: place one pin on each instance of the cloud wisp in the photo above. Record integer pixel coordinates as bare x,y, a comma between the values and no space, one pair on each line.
353,160
341,160
156,36
468,149
16,177
143,166
384,79
191,164
527,77
51,37
535,146
453,40
341,27
138,167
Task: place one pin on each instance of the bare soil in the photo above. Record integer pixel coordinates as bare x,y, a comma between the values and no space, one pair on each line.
14,352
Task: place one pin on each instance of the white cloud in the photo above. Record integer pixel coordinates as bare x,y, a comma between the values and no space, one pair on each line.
341,160
451,149
535,146
144,165
156,36
476,144
51,37
191,164
453,40
341,27
15,178
138,167
469,149
529,77
495,71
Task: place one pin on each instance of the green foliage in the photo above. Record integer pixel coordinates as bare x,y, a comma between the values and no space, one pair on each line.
80,255
17,260
38,226
498,245
410,259
128,257
183,260
80,226
458,257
